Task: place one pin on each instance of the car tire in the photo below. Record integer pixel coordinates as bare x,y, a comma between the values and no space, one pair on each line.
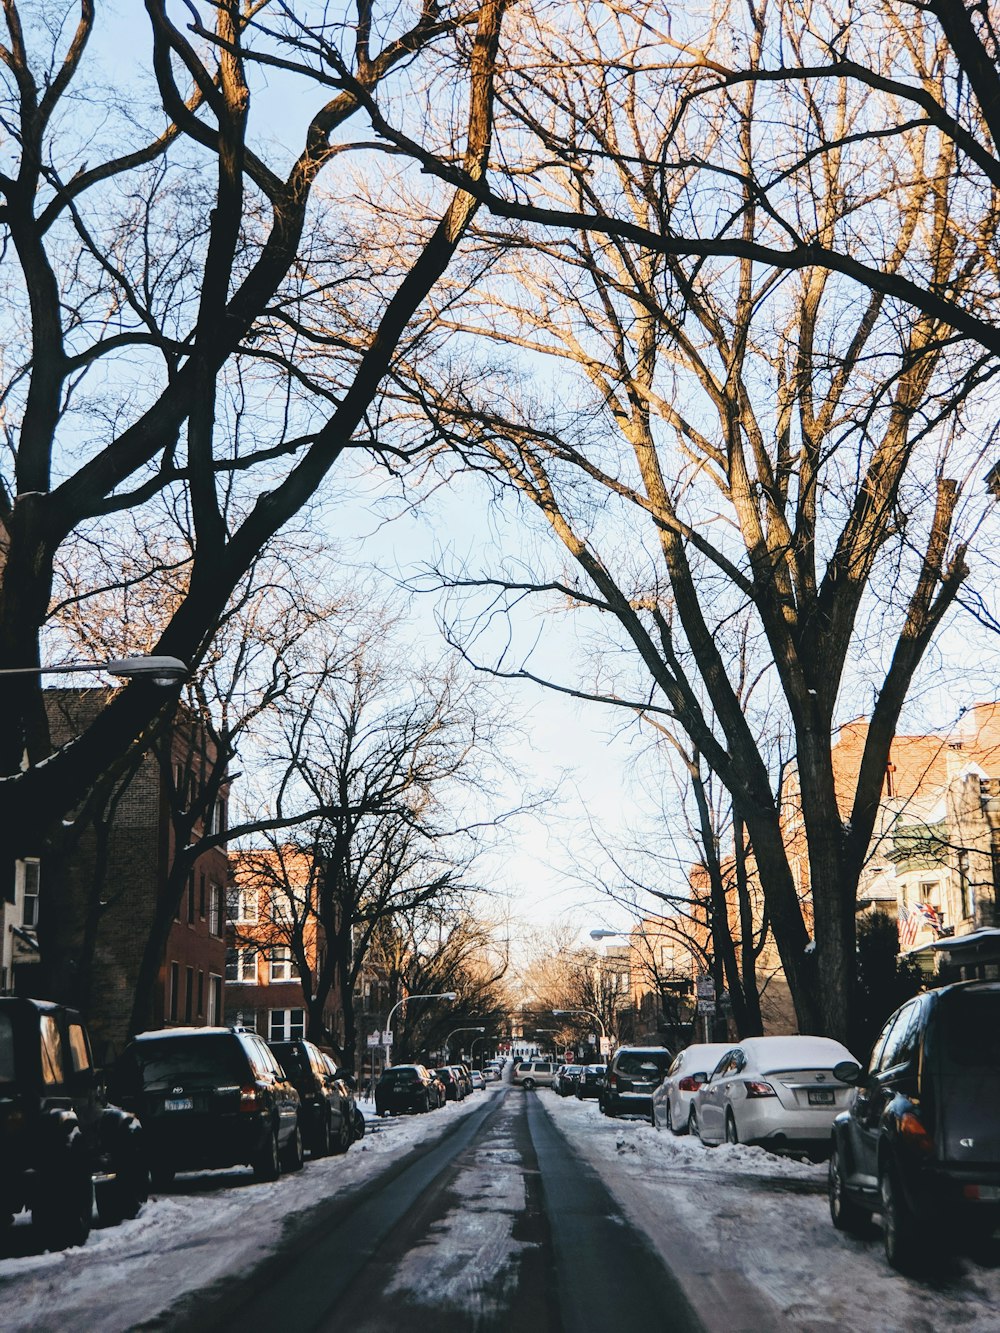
845,1214
120,1199
693,1129
905,1246
344,1138
732,1133
528,1084
359,1125
161,1176
64,1205
323,1142
293,1157
267,1160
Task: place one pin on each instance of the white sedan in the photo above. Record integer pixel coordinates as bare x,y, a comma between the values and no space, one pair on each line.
776,1091
672,1099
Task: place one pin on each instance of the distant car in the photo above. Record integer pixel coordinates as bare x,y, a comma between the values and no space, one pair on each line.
404,1088
633,1074
478,1082
920,1143
775,1091
327,1114
691,1067
462,1073
454,1087
439,1090
589,1085
530,1074
210,1097
491,1074
566,1079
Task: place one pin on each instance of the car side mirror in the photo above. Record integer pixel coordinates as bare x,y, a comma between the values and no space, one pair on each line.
700,1077
847,1071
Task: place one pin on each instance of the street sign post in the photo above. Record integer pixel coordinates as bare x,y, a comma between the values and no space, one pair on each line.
706,1007
705,986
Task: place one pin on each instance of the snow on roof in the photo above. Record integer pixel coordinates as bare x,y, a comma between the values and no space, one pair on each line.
775,1053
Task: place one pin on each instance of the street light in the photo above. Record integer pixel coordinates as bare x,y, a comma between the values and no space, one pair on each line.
562,1013
605,934
454,1030
436,995
161,670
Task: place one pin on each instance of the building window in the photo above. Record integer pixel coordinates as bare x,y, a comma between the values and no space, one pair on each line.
189,995
201,994
29,873
190,911
241,965
201,896
215,909
175,985
286,1024
214,1000
217,817
281,963
242,904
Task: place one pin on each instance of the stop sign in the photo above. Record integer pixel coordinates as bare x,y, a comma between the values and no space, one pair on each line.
569,1055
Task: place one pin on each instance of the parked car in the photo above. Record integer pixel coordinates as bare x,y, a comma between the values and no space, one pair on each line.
478,1082
491,1074
454,1087
920,1143
404,1088
352,1085
672,1099
462,1071
566,1079
590,1083
633,1073
327,1101
776,1091
58,1130
210,1097
534,1074
439,1090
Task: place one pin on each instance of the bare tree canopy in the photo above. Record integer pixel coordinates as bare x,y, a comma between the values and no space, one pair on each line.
162,256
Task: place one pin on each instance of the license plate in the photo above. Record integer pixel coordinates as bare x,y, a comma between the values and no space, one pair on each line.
821,1097
178,1104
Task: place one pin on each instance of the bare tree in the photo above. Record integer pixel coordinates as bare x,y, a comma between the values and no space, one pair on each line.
737,465
158,269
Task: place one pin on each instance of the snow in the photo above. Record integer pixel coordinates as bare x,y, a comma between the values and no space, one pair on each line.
211,1225
755,1227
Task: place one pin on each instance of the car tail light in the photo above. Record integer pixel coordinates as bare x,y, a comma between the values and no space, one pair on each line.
251,1098
612,1080
755,1089
913,1133
688,1084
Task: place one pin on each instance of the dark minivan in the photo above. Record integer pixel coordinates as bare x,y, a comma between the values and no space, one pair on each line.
921,1142
328,1111
210,1097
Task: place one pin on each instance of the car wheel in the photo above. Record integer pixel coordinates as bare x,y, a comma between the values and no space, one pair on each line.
161,1176
693,1129
845,1214
528,1084
120,1199
344,1137
732,1133
904,1245
322,1145
359,1125
291,1159
267,1161
64,1205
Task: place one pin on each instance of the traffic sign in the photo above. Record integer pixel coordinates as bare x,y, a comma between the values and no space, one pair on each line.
374,1039
706,1007
569,1055
706,987
387,1037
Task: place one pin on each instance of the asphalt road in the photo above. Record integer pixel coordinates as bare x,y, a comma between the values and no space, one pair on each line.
497,1225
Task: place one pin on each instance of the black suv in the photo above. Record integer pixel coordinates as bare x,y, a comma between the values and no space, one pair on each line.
57,1130
328,1111
404,1088
921,1142
210,1097
634,1074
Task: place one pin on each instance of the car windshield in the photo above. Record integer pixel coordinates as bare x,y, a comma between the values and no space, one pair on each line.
215,1057
971,1030
6,1049
642,1064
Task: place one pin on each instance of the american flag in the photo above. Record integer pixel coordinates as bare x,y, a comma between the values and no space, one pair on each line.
907,921
932,915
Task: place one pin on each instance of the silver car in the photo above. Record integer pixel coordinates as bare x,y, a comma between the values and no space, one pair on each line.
672,1099
776,1091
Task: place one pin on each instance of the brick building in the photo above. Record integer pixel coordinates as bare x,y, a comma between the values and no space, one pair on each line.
116,876
272,913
